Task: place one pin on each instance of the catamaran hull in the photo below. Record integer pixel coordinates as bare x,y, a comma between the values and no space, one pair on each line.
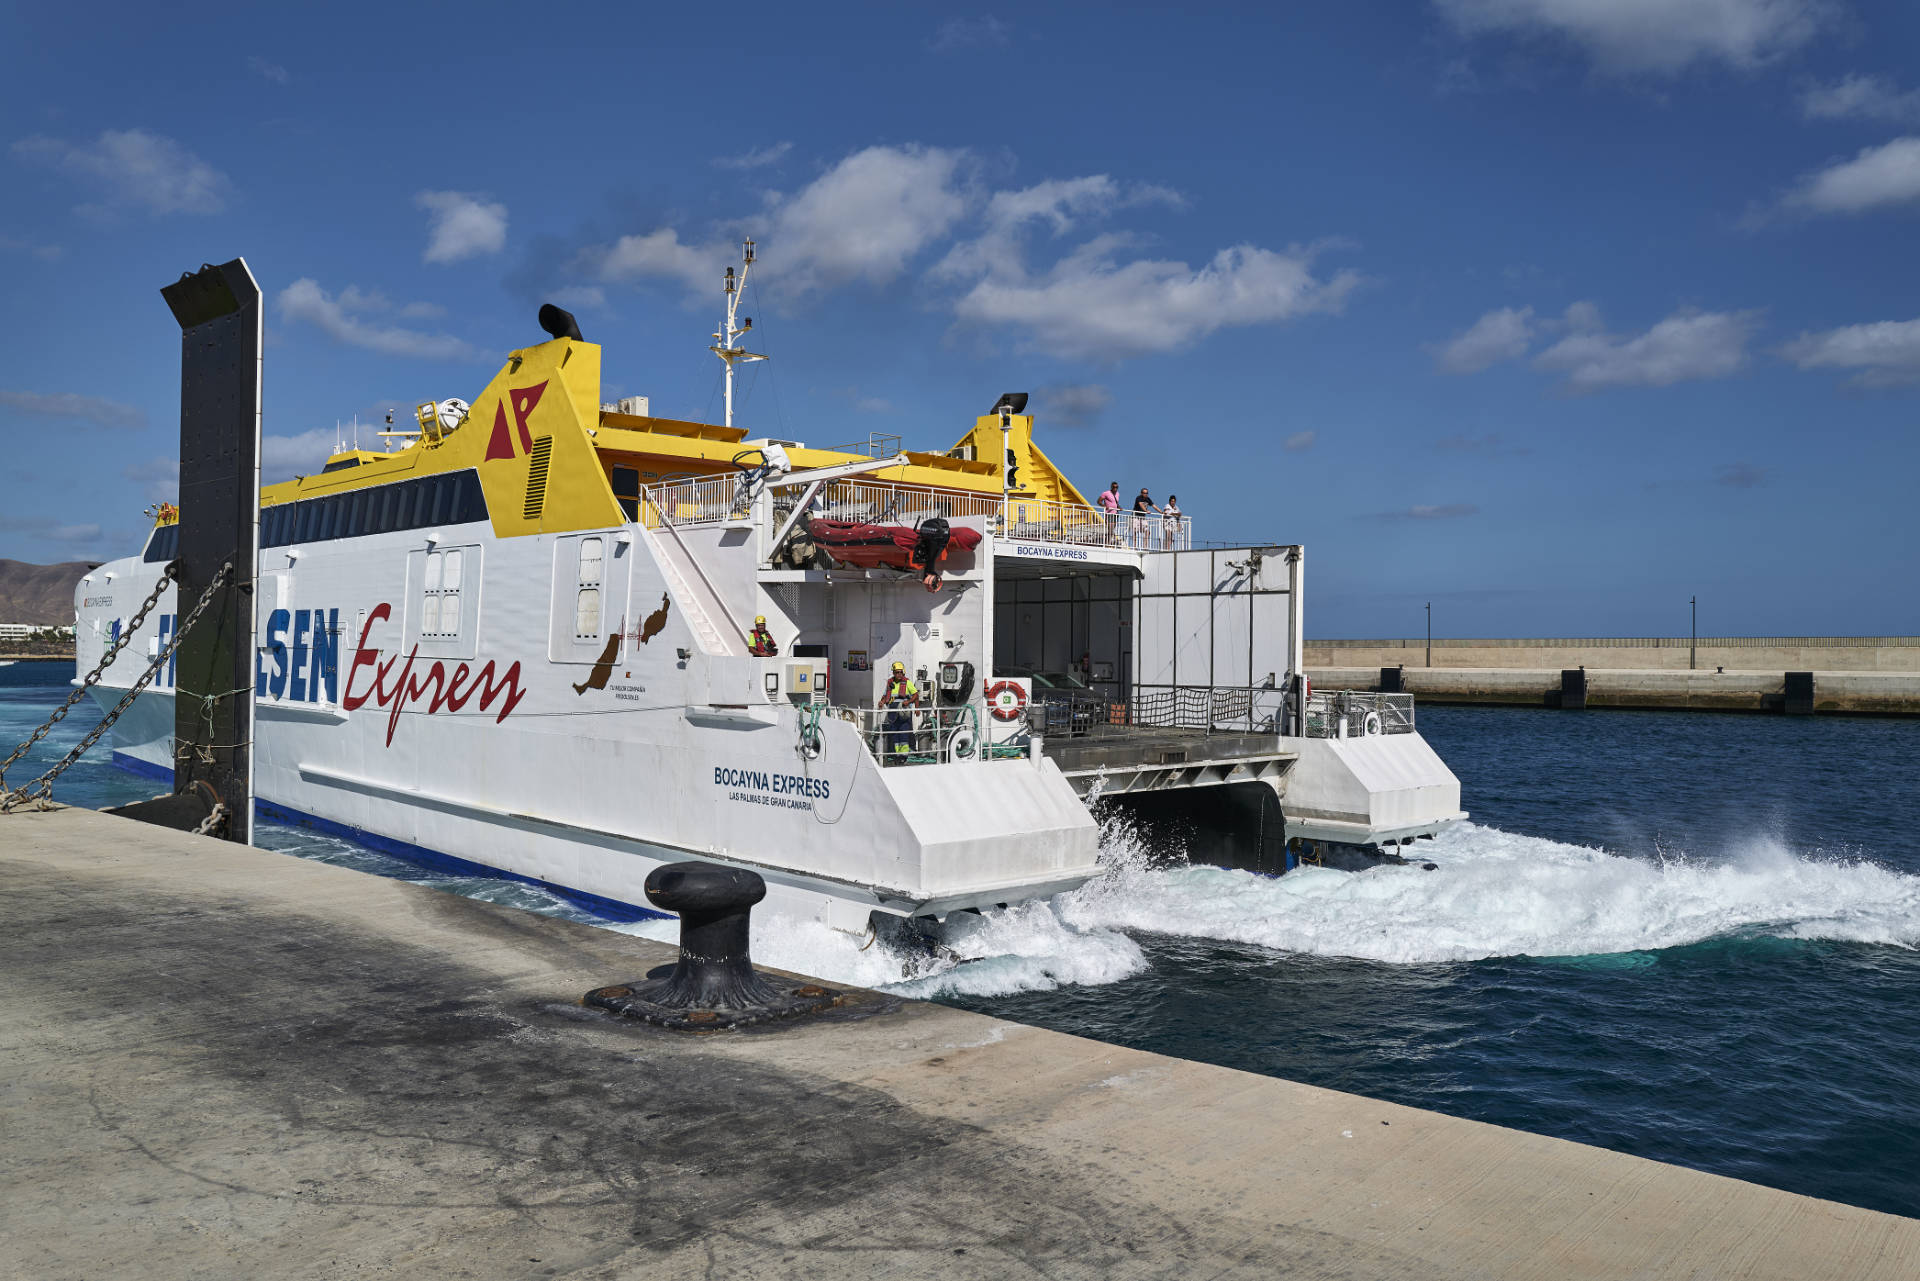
583,761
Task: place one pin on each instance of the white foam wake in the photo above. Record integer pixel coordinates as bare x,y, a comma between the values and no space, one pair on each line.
1492,894
1497,894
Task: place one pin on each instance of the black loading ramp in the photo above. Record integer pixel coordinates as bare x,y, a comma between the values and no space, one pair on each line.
1127,760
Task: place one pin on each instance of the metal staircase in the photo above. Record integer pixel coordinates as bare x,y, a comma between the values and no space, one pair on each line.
700,604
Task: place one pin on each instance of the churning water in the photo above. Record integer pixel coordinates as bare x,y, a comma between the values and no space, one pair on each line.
1687,936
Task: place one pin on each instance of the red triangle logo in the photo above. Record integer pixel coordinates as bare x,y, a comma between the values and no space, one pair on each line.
500,445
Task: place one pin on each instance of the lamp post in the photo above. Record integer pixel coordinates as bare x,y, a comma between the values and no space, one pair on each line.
1693,642
1429,633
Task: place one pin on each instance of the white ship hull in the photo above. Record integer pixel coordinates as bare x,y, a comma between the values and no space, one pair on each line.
501,754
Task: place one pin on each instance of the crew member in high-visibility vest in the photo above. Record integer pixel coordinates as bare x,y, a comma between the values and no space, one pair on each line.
760,642
899,698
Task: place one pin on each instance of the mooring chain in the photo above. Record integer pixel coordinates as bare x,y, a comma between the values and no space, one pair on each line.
40,790
214,818
92,678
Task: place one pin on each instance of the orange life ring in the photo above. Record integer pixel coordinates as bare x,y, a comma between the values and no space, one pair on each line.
1006,701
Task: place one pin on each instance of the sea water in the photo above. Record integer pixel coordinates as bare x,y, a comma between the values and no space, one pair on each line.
1691,937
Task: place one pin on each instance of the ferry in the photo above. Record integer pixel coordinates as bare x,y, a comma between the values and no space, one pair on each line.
563,640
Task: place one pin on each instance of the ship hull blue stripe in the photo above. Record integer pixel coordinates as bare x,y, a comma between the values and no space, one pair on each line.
611,909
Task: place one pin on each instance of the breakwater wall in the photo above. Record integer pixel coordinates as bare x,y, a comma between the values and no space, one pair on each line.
1865,693
1631,653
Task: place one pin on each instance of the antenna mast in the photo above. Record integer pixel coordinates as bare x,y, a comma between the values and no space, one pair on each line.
726,341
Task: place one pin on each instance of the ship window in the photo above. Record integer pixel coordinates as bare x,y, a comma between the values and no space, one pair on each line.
586,609
440,595
410,504
626,489
163,546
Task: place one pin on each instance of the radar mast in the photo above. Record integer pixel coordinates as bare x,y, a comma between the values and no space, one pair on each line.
726,341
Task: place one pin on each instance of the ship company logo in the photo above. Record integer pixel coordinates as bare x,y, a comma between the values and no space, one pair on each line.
434,688
523,399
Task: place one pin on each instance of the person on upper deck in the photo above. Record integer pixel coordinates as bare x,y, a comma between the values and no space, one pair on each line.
1110,504
1171,514
898,698
1143,510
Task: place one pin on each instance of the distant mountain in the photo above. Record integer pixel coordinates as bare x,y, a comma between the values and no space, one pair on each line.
39,594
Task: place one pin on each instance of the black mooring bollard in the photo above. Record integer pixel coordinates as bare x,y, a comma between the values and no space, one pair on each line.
714,984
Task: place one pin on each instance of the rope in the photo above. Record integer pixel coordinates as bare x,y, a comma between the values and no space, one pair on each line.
40,791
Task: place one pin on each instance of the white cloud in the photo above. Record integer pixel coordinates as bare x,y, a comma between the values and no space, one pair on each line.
158,478
579,298
268,70
754,158
1885,175
1499,335
136,168
1300,441
1058,204
45,253
862,220
656,254
868,218
284,457
74,407
1686,346
1886,353
341,320
50,529
1861,97
462,225
1659,36
984,32
1092,305
1439,511
873,404
1073,404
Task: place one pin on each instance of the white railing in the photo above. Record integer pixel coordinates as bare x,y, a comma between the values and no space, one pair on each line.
1075,524
923,735
886,504
1351,713
717,498
701,501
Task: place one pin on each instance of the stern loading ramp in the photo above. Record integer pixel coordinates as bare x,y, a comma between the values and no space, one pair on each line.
247,1064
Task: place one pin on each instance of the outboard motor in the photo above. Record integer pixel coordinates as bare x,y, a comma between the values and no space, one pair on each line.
930,548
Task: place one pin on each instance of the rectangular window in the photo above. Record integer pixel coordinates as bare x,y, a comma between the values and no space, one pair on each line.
440,595
586,610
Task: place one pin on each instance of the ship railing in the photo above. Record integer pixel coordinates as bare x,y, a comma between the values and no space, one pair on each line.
1039,520
1192,709
1354,713
928,736
703,500
878,503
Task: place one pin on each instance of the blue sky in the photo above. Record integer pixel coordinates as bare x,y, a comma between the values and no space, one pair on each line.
1552,312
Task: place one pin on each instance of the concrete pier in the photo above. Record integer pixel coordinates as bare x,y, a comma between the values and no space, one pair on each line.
220,1062
1868,693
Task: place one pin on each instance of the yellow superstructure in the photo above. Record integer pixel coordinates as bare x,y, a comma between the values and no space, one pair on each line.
545,451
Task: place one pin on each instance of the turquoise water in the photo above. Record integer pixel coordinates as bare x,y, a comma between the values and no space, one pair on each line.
1686,936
